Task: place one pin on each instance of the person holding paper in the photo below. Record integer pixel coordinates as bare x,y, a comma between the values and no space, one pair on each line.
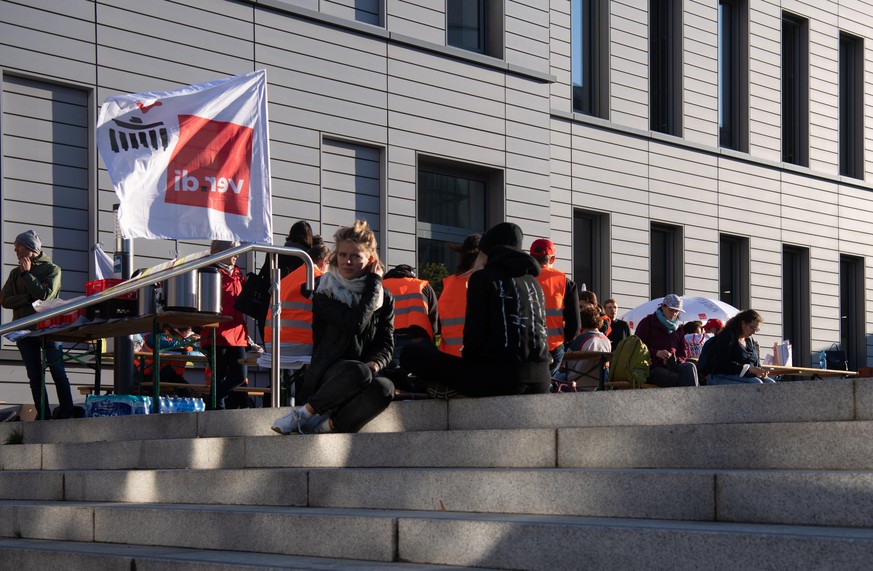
736,353
37,278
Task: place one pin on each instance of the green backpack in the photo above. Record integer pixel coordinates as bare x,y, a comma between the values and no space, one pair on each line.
630,362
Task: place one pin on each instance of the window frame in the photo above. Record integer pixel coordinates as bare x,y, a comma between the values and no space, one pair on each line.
673,260
493,181
796,303
851,105
795,90
665,66
488,26
590,57
733,74
734,270
592,248
853,338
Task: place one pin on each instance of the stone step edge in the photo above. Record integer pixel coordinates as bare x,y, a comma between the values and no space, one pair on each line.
18,552
682,526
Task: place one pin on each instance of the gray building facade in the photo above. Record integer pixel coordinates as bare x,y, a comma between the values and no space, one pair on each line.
704,147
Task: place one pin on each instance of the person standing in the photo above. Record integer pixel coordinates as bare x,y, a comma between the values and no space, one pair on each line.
505,340
620,329
662,334
353,340
37,278
231,336
562,302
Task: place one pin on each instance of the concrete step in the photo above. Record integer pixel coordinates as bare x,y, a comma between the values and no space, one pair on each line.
813,401
26,554
827,498
502,541
842,445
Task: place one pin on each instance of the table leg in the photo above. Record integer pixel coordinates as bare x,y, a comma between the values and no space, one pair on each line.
156,367
213,389
42,395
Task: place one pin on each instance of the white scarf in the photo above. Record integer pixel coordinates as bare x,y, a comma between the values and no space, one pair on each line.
333,285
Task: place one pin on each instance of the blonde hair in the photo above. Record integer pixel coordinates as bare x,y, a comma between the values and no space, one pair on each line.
360,233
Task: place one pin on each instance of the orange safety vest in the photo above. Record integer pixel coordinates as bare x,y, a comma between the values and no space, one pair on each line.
410,305
554,284
296,316
453,309
146,364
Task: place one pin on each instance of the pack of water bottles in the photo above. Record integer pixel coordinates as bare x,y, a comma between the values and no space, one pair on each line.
127,405
181,404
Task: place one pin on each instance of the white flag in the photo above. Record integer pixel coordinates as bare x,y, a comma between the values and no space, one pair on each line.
193,163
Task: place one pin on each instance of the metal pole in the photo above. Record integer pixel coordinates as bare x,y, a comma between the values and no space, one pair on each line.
276,308
123,367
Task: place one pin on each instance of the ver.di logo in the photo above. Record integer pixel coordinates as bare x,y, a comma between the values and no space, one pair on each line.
210,165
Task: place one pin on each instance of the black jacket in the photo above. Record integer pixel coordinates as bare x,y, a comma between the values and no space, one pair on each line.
620,330
361,333
729,357
506,311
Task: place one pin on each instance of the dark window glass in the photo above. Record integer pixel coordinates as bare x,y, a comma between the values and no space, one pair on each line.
795,303
734,271
588,55
665,260
852,311
591,251
665,25
732,74
795,92
468,24
851,106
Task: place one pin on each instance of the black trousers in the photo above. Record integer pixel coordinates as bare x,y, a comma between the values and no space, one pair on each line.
228,374
352,396
474,378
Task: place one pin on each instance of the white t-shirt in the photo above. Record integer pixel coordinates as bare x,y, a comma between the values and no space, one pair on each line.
586,372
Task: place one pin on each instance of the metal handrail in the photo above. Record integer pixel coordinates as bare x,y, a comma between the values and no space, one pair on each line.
181,266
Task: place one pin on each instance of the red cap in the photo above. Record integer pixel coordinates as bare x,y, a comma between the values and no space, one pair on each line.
542,247
713,324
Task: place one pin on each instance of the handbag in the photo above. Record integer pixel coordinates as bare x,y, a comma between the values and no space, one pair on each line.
254,299
836,358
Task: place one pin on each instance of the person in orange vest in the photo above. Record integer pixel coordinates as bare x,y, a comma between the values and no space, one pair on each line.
416,318
453,299
562,302
295,333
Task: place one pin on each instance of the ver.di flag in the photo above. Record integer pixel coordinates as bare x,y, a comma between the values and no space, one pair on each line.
193,163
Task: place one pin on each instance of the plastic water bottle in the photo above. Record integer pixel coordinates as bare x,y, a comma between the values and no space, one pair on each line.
822,360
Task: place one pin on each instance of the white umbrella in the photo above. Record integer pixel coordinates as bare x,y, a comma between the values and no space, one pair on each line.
694,309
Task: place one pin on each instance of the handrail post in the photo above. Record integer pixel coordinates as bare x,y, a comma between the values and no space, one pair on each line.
276,309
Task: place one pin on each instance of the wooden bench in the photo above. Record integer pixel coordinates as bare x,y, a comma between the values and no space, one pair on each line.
169,388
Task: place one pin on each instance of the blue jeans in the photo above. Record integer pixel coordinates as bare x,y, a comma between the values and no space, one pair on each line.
557,356
31,354
736,380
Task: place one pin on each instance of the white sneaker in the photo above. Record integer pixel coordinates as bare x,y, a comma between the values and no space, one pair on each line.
294,421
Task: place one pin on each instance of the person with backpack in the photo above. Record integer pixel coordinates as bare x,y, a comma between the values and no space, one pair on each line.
734,357
662,333
506,348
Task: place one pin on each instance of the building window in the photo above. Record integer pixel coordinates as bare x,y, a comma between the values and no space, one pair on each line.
591,252
454,201
366,11
665,260
351,185
46,174
853,339
851,106
665,66
795,303
476,26
795,90
590,51
733,75
733,271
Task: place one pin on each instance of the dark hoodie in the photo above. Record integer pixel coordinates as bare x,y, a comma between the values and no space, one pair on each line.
506,315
